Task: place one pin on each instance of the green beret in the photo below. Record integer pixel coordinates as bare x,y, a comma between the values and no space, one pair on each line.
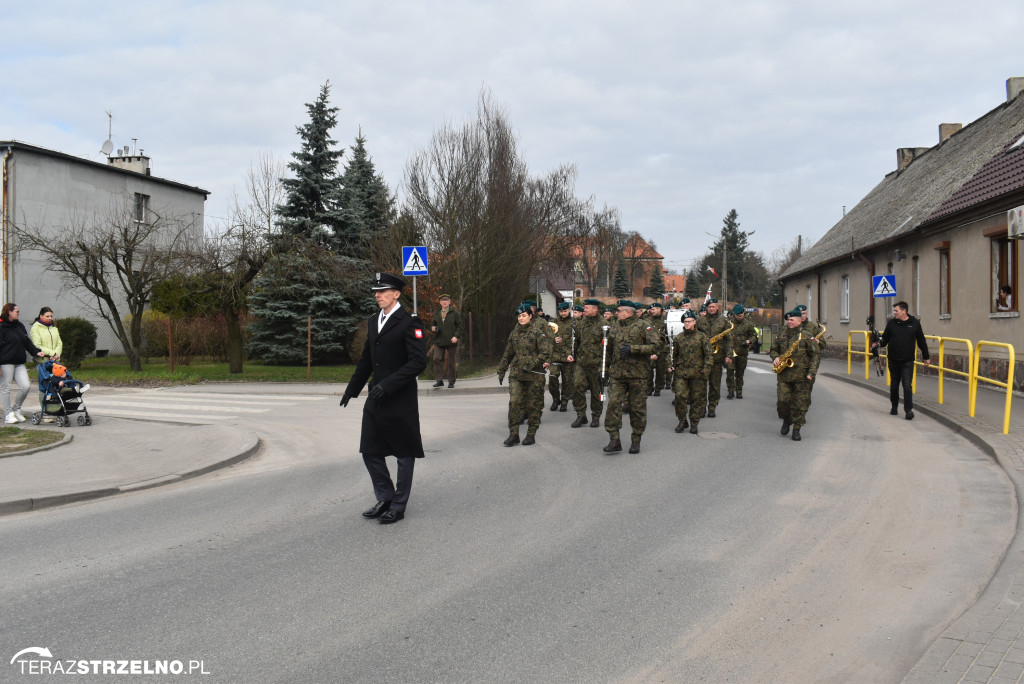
562,306
655,305
610,308
703,307
795,313
524,308
529,302
738,309
688,314
800,307
592,302
686,300
712,301
578,307
626,302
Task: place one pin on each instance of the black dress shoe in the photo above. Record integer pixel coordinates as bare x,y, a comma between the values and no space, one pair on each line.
512,439
391,517
563,408
894,411
528,440
439,383
796,433
634,446
693,430
377,510
613,446
711,413
580,421
785,426
596,422
910,414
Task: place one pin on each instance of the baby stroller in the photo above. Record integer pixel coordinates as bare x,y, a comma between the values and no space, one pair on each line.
62,395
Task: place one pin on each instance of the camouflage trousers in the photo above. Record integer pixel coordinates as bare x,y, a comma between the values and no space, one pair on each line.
560,382
690,391
587,379
631,392
523,401
734,373
715,385
659,373
794,398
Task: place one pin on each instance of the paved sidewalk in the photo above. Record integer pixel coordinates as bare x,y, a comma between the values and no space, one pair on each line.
986,643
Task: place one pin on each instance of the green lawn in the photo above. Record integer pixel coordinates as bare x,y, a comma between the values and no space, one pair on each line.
16,439
114,370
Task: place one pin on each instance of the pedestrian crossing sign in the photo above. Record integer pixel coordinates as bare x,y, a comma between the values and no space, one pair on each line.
884,285
415,260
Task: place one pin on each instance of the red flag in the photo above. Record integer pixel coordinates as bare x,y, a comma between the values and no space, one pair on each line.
713,271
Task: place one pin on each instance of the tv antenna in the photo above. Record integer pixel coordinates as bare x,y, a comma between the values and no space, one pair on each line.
108,146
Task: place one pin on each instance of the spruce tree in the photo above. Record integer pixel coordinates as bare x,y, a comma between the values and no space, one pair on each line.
620,286
656,288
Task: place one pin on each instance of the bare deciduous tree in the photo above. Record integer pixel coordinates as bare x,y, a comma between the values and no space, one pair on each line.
116,259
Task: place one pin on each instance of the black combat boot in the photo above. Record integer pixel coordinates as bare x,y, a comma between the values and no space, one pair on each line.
796,433
739,394
657,392
683,424
580,421
730,395
596,422
555,405
529,440
613,445
563,408
512,440
785,426
634,446
439,383
711,413
693,429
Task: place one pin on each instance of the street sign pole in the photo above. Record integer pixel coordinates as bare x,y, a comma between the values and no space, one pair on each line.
415,308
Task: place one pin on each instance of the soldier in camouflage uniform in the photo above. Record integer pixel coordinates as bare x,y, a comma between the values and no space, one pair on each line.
794,388
631,348
691,364
713,323
659,369
540,324
586,358
526,356
810,329
560,375
743,336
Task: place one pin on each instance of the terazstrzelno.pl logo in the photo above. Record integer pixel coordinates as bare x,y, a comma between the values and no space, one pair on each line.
39,661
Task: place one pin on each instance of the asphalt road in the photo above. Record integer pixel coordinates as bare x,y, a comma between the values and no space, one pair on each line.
737,555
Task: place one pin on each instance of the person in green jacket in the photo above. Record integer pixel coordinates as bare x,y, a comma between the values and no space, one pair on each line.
45,335
527,355
447,329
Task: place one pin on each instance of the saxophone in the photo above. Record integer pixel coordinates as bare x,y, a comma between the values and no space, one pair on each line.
714,340
817,338
786,358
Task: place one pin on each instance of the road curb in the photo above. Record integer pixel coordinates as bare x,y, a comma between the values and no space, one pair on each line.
46,447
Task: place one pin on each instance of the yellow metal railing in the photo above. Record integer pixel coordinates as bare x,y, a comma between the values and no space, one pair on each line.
1008,385
973,363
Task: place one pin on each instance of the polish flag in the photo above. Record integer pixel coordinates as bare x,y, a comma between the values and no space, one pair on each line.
713,271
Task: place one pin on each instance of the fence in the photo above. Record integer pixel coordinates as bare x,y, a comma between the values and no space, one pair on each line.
972,374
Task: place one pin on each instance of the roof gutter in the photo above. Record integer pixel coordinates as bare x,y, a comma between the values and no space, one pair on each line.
3,228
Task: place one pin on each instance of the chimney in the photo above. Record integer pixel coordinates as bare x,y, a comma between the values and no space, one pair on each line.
139,163
1014,87
905,155
948,129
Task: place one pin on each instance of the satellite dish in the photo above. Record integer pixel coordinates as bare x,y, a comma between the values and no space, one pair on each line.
107,148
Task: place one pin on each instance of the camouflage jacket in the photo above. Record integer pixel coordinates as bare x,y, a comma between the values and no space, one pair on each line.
806,355
528,349
714,325
638,335
691,354
660,329
743,332
560,350
810,329
588,341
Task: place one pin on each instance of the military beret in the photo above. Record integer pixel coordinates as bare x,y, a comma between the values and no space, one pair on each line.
578,307
655,305
386,281
529,302
686,300
795,313
712,301
703,307
738,309
688,314
626,302
800,307
592,302
524,308
610,308
562,306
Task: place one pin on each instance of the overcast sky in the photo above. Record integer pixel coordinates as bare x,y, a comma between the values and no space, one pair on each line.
673,112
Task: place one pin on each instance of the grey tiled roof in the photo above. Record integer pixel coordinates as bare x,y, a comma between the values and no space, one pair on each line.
926,189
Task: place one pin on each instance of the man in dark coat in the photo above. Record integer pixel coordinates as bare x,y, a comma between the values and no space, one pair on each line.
395,354
902,333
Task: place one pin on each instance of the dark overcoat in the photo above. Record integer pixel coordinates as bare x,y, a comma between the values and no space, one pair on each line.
394,356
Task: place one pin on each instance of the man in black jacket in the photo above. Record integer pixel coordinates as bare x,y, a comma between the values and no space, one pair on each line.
395,354
901,333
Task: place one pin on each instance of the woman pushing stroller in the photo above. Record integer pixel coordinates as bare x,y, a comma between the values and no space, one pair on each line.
14,342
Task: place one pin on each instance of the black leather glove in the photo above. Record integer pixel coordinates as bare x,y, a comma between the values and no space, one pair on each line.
345,399
625,350
377,393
